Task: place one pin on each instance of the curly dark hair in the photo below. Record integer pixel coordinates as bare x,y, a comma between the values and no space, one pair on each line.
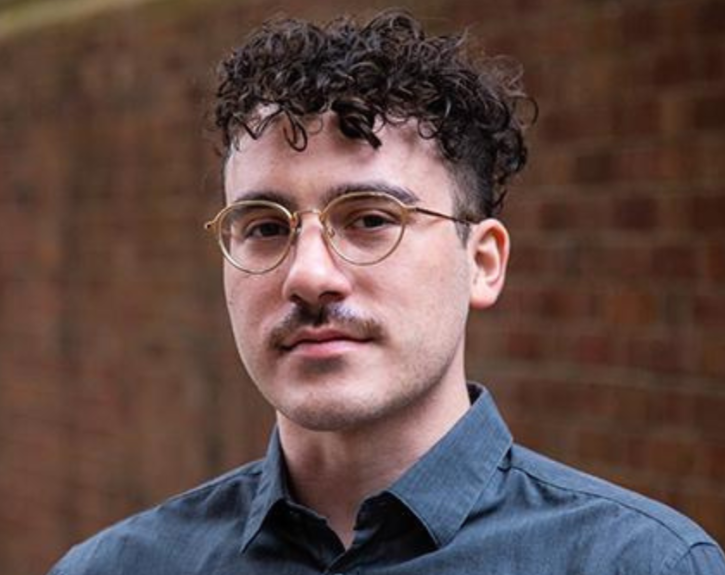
387,71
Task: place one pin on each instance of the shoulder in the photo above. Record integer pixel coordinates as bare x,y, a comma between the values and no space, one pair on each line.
161,540
616,521
573,484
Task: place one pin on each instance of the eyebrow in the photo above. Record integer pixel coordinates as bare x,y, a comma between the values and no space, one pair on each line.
265,195
401,193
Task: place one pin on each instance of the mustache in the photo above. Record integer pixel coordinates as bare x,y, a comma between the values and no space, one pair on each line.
335,315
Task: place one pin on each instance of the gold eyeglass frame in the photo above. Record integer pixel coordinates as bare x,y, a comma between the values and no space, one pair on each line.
295,220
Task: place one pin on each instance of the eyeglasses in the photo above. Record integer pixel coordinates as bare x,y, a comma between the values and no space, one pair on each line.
363,228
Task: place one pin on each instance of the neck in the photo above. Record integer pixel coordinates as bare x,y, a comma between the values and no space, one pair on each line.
332,472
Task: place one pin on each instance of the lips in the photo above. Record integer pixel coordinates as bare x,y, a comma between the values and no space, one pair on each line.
323,332
319,337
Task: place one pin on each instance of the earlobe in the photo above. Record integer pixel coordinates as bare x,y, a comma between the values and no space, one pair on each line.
489,249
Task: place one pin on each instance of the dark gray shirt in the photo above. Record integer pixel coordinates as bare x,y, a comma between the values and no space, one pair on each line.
475,503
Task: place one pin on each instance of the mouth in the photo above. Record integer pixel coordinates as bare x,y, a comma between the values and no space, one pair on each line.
321,343
325,333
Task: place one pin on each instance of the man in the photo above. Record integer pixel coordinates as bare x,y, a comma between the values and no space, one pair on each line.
364,166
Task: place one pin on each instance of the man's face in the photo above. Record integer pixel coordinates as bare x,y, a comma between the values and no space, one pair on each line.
335,346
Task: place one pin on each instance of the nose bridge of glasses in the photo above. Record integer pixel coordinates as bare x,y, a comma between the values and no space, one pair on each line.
319,239
327,232
321,216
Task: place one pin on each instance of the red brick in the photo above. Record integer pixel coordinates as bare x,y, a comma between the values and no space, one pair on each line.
635,213
636,119
593,349
629,307
639,164
658,355
709,111
706,213
669,456
709,310
673,67
556,215
677,20
674,262
710,462
715,261
640,25
530,259
711,359
707,505
614,262
595,167
711,18
576,124
524,345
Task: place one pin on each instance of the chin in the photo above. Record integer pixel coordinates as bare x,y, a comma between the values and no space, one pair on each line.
338,409
324,422
323,414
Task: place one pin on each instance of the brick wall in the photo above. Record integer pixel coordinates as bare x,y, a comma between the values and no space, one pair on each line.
119,383
608,349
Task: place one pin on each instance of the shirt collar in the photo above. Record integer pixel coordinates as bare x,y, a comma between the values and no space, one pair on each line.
272,488
442,487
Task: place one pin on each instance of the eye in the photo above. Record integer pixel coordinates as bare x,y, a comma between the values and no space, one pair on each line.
365,217
371,220
256,223
266,229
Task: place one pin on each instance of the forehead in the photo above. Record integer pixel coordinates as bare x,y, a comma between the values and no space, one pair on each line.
331,160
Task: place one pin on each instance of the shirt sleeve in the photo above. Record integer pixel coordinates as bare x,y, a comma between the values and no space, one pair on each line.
702,559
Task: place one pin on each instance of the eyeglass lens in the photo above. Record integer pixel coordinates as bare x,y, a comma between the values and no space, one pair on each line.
362,228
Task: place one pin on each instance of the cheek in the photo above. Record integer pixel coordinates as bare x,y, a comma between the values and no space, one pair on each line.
245,299
428,290
445,301
232,292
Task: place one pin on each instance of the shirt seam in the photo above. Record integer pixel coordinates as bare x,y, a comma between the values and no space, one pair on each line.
668,567
641,512
229,477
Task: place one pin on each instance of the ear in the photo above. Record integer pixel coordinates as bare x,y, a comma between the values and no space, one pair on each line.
489,250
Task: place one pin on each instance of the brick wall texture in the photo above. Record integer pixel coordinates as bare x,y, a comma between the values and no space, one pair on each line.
119,381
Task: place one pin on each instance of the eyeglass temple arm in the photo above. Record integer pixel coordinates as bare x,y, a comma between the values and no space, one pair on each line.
211,224
440,215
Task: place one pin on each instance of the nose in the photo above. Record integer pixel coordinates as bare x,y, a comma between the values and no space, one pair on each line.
314,276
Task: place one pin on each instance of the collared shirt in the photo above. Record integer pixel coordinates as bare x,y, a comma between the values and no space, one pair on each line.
475,503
